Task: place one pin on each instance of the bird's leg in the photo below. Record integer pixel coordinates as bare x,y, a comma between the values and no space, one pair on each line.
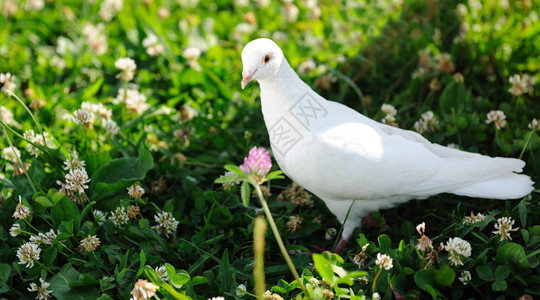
340,246
338,249
368,221
319,249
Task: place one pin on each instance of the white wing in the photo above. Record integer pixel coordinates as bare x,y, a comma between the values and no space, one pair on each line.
376,161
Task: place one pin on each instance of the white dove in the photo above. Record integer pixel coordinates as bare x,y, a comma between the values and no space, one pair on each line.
344,157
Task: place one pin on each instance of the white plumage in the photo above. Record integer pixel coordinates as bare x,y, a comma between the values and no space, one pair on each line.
340,155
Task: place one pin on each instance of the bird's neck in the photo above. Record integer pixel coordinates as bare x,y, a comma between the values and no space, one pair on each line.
281,92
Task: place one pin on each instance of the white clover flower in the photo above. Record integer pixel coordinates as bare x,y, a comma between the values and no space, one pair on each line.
241,3
38,139
294,223
99,217
28,253
217,298
64,45
314,281
279,36
375,296
444,61
152,45
188,3
242,29
191,53
161,272
473,218
163,12
109,8
96,38
119,217
9,7
360,258
82,117
95,108
127,67
133,99
534,125
228,185
6,115
110,126
290,12
166,223
529,82
73,162
11,154
504,227
388,119
518,86
77,180
241,290
44,238
390,114
262,3
497,117
15,230
384,261
143,290
90,243
330,233
421,228
457,248
21,211
465,277
66,190
428,122
315,11
7,79
424,242
388,109
57,62
307,67
42,291
521,84
34,4
135,191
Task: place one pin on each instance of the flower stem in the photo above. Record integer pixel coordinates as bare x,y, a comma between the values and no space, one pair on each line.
21,164
278,239
258,248
375,280
43,148
44,267
101,262
30,225
11,94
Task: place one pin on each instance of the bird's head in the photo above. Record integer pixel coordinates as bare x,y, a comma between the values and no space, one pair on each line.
261,59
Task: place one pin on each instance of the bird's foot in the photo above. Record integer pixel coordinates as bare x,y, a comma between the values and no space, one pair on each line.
370,222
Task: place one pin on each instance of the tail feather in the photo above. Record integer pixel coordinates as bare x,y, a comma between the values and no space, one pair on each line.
508,186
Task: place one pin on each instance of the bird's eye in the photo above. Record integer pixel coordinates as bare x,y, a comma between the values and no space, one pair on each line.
266,58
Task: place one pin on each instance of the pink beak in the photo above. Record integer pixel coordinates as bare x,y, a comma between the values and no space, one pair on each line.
246,77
